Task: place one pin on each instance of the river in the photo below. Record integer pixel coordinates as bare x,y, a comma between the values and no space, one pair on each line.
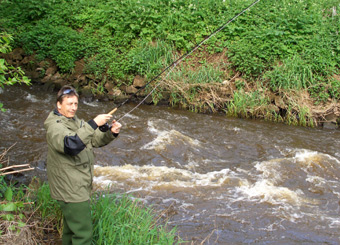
219,180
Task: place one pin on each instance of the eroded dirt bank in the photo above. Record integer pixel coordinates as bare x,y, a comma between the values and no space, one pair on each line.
292,107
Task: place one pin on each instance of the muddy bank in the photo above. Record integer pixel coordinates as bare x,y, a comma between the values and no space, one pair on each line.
292,107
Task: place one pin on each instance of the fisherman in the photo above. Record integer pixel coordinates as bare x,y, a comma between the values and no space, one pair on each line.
70,162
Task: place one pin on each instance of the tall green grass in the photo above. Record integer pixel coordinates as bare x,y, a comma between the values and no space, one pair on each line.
123,220
293,73
247,104
203,74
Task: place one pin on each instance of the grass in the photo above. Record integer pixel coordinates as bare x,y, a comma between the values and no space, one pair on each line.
124,220
247,105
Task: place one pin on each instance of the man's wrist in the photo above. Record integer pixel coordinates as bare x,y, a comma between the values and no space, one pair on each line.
93,124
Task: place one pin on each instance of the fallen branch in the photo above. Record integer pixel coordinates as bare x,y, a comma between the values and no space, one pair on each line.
14,166
15,171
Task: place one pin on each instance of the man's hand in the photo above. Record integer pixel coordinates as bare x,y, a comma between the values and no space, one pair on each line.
102,119
116,126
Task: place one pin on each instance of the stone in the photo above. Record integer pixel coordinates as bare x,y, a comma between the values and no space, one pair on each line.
115,92
51,71
131,90
329,125
139,82
46,79
109,86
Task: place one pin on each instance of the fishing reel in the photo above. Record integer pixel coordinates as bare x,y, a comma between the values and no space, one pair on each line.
104,128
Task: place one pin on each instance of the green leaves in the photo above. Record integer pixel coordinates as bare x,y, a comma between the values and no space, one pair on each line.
61,43
9,75
9,194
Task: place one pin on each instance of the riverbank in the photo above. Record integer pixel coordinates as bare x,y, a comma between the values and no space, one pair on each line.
235,97
278,62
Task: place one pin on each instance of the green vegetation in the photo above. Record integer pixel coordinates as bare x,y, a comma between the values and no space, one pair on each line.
283,46
122,220
9,75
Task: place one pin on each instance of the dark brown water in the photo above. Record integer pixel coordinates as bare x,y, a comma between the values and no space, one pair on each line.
222,180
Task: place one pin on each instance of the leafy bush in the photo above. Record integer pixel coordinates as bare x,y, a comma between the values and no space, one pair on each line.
60,43
9,75
117,30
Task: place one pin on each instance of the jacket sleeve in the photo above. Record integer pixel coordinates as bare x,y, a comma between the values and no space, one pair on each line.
64,140
73,145
102,138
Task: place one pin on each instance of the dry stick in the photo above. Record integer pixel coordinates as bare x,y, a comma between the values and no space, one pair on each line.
162,213
208,237
33,212
2,155
14,166
18,171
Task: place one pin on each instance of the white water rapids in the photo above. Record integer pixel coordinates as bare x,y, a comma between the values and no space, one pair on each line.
219,180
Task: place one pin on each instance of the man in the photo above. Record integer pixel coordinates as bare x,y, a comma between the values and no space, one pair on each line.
70,162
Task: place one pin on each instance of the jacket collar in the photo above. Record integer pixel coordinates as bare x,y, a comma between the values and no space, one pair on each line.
56,112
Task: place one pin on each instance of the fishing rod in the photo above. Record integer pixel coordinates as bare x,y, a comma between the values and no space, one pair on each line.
173,65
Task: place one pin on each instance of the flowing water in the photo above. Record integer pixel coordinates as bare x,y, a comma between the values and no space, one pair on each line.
219,180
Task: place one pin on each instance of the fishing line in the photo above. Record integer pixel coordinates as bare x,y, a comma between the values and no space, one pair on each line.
176,62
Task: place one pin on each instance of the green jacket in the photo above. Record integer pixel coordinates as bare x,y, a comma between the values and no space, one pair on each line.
70,155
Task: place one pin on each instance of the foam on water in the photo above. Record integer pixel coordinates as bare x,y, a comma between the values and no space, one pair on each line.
165,138
153,177
303,155
266,191
32,98
92,104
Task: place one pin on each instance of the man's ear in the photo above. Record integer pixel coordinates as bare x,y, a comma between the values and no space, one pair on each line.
58,105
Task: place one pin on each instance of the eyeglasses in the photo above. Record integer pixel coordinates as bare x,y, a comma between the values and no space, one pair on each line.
68,91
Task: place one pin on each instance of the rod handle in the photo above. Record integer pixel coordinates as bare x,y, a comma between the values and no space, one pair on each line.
113,111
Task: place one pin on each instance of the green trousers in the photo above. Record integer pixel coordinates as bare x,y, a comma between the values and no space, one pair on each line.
77,223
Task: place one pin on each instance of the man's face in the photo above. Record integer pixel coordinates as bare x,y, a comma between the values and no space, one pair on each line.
68,107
